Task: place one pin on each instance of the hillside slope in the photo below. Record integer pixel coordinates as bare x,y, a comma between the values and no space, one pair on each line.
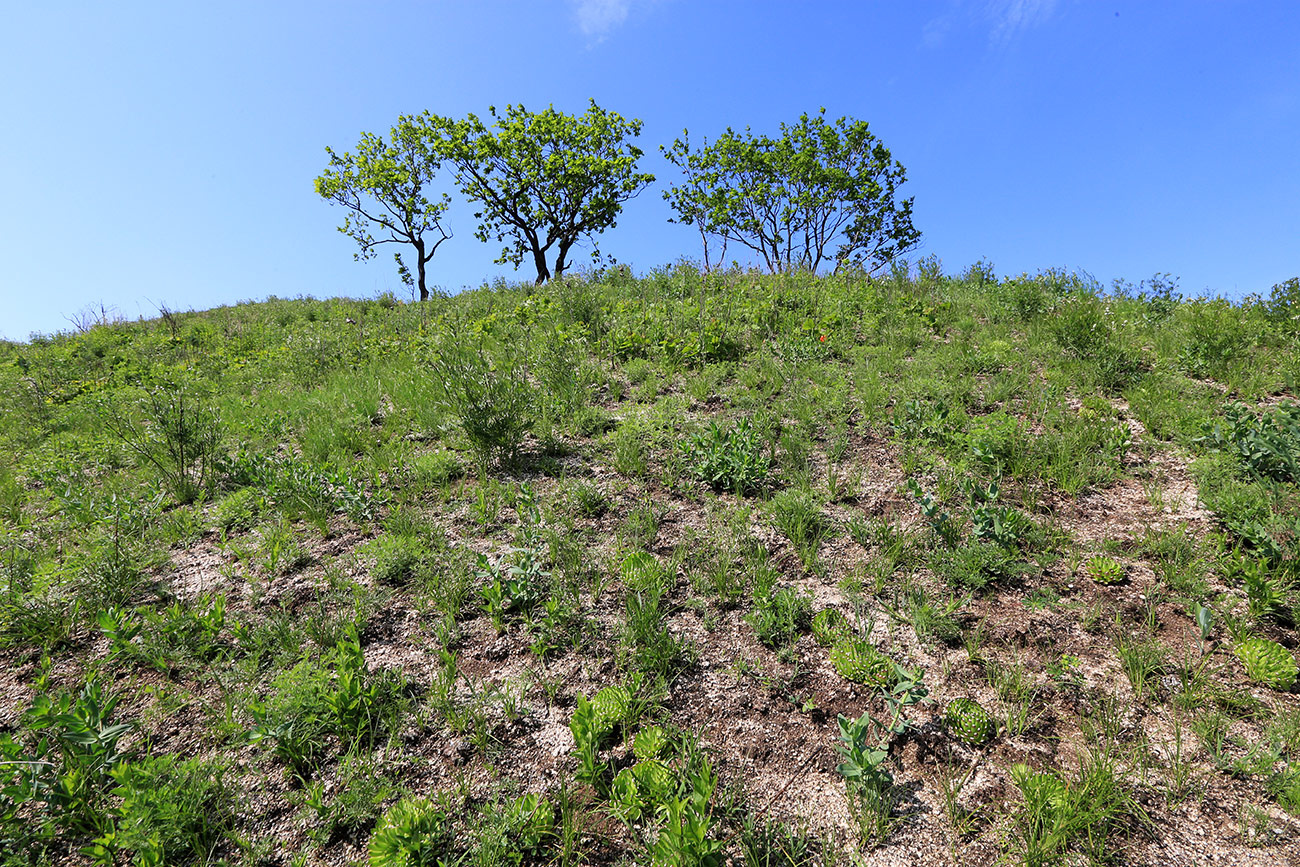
679,570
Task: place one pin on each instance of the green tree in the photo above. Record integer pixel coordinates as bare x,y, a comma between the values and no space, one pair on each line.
383,186
543,181
789,199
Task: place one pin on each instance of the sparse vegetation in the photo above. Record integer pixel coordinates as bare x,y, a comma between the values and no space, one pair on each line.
618,570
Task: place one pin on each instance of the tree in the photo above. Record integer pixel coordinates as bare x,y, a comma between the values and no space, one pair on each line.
383,186
789,199
544,180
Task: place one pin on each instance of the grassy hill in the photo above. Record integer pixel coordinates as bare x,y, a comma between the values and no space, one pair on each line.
691,570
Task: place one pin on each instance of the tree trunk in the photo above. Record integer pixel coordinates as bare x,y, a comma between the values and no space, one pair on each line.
560,264
419,268
539,261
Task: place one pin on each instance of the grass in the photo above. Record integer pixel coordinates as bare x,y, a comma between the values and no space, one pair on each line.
351,561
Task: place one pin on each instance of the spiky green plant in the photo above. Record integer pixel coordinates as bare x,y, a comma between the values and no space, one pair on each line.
968,721
1104,569
649,742
1268,662
610,706
858,660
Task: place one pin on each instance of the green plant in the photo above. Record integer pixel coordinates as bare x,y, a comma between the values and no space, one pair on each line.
733,460
1268,662
1104,569
862,766
779,616
1268,590
488,389
72,771
1267,445
685,837
975,566
940,521
396,559
238,510
858,660
513,587
828,626
414,832
172,811
870,785
799,515
310,701
356,805
969,722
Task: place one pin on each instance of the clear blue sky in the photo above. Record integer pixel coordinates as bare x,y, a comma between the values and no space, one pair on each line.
163,153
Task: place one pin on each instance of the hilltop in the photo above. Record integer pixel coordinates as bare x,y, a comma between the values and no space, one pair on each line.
685,569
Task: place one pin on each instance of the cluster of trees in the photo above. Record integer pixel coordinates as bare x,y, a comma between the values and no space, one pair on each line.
822,192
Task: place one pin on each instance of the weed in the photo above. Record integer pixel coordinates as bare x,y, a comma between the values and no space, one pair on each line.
1060,815
779,616
930,619
489,391
799,516
734,460
1143,660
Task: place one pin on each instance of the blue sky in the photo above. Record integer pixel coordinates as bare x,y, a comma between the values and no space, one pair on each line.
163,153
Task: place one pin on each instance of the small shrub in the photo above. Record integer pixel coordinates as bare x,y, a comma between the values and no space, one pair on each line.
174,429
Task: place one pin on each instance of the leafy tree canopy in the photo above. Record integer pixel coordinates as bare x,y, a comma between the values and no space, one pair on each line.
543,180
383,188
790,198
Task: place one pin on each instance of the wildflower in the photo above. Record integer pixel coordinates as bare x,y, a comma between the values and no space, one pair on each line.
823,338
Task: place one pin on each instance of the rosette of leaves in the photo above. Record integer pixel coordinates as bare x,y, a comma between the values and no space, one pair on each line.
639,790
1104,569
1268,662
858,660
828,626
609,707
968,721
413,833
649,743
